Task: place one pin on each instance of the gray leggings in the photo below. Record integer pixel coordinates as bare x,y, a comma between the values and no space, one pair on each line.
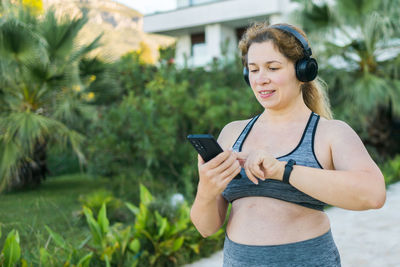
318,251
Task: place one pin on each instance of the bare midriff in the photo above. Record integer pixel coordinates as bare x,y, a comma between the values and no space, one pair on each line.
269,221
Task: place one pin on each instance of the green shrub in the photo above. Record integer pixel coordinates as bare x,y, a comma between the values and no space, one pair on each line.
168,239
160,235
133,74
63,253
112,245
117,212
391,170
11,252
61,161
144,136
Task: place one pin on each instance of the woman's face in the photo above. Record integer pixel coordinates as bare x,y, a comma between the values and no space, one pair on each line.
272,76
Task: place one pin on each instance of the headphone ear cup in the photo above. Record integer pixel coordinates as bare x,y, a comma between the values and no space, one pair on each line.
306,69
246,75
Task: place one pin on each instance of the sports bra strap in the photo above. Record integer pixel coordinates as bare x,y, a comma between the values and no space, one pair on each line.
239,142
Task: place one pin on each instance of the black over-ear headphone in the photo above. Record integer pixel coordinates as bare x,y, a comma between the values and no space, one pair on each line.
306,68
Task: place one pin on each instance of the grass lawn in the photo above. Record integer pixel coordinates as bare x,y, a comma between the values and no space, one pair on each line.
55,204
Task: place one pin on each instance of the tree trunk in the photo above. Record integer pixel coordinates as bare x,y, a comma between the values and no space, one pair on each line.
32,172
384,132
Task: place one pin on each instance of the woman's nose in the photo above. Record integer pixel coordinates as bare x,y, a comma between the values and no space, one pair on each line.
263,78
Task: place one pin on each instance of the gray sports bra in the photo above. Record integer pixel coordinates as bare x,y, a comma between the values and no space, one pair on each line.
303,154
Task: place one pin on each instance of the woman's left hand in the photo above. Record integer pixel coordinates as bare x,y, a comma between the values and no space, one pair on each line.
260,164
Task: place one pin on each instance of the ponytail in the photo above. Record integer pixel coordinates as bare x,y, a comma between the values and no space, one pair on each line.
316,99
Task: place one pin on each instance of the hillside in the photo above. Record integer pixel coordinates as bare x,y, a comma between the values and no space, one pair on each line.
121,26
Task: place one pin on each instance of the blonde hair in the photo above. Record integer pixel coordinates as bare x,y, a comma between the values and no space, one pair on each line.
313,92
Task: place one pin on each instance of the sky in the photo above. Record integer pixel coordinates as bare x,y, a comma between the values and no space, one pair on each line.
149,6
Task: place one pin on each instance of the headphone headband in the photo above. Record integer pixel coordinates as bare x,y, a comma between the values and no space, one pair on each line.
297,35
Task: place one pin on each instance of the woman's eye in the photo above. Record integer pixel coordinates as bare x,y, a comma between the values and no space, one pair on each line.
273,69
253,70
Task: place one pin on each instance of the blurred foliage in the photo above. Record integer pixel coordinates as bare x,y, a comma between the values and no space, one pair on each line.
100,83
154,238
46,98
61,161
133,74
358,49
144,136
391,170
54,204
115,207
145,53
36,6
11,252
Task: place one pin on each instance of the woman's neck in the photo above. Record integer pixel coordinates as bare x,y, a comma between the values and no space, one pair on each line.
293,112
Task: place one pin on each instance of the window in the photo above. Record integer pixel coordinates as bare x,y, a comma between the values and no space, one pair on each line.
199,48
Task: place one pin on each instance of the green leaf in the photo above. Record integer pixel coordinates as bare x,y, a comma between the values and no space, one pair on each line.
142,217
217,235
107,261
85,261
102,219
171,245
11,250
183,220
24,263
58,239
44,257
195,248
178,244
94,227
145,196
135,210
83,243
135,245
162,224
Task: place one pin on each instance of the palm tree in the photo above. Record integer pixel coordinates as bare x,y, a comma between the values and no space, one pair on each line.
42,92
360,59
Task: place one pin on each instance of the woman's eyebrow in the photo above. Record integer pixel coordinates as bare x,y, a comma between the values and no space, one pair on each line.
268,62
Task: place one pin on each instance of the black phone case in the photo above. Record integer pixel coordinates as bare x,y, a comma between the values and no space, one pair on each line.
206,146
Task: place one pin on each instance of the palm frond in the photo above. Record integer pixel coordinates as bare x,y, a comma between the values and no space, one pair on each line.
22,131
85,49
352,12
39,67
18,41
316,18
71,110
10,154
60,35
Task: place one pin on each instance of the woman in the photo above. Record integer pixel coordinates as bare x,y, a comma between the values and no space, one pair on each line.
293,158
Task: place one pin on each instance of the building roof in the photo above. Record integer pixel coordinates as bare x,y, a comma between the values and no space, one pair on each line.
236,13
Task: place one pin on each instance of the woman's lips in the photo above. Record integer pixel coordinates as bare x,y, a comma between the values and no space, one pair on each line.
266,93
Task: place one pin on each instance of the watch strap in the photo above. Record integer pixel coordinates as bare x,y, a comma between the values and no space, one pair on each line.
288,170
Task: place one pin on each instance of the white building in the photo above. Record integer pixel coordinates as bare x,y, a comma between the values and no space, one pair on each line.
202,27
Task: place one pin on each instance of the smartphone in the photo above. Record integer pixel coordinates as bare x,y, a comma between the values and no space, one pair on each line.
206,146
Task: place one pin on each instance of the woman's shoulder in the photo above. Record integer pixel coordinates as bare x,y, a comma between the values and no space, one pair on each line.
335,129
235,125
231,132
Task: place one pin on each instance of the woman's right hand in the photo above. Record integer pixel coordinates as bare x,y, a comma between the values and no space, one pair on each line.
216,174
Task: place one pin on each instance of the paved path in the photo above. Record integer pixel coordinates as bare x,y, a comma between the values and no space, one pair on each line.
364,238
